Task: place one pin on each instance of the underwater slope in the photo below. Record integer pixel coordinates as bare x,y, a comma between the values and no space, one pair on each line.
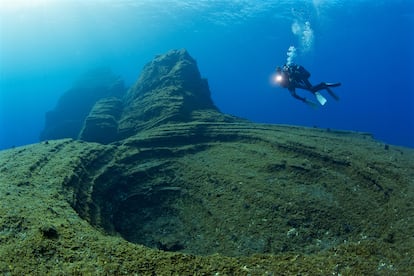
171,194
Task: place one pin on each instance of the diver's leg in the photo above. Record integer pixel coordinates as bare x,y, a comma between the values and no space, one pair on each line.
324,85
318,87
296,96
303,99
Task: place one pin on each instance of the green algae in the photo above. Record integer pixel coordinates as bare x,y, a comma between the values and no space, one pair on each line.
248,199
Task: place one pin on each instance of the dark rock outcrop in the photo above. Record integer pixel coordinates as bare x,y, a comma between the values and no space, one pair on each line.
68,117
101,125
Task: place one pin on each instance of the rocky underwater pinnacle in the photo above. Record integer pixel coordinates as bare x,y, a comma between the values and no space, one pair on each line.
170,89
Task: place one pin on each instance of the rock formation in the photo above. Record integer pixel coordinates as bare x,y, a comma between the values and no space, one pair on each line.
68,117
101,125
169,89
184,189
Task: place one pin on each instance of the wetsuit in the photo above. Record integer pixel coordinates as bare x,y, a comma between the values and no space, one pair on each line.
296,76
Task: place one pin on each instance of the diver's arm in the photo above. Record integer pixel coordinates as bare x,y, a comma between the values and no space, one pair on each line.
296,96
308,84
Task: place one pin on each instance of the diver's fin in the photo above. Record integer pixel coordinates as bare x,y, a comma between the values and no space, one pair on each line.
333,95
321,99
332,84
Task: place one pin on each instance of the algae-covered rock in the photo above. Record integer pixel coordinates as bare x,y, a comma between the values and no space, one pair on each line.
204,193
169,89
101,125
228,198
67,118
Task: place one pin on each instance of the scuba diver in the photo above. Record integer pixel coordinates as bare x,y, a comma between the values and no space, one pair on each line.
296,76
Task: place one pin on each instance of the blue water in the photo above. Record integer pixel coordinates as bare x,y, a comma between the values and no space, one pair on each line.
45,45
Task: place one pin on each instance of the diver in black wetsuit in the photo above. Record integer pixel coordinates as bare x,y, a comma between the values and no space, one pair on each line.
296,76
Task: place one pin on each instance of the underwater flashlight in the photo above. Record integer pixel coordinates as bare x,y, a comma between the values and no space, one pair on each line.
279,78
